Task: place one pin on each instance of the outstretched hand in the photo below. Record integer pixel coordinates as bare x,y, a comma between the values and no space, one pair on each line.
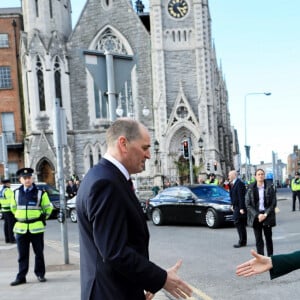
257,265
174,285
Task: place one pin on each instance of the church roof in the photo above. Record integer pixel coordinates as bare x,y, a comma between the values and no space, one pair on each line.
10,10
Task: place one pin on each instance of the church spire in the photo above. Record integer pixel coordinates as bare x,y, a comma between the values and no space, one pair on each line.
47,16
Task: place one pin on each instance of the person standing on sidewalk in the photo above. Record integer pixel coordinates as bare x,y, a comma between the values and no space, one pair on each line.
9,220
31,208
237,195
295,187
113,233
261,201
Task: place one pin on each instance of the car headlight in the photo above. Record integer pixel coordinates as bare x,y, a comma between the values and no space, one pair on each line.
222,207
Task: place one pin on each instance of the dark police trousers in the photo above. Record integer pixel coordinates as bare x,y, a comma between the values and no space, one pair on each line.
23,242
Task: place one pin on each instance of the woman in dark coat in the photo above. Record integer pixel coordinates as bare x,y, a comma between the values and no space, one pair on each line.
260,203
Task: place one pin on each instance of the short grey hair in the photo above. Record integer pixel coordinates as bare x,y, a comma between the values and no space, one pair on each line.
127,127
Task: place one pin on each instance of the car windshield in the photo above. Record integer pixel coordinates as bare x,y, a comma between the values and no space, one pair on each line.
50,190
212,191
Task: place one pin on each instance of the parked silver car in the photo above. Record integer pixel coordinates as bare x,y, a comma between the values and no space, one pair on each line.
71,207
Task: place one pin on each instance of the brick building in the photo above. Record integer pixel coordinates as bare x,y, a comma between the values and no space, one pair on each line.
11,127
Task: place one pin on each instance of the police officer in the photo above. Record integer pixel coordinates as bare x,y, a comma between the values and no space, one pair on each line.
9,220
212,179
295,186
31,208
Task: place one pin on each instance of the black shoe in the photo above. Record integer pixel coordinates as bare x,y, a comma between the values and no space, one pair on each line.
18,281
41,278
239,245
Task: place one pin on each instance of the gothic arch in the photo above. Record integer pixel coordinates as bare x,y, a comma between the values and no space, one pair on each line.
88,157
97,153
45,171
112,35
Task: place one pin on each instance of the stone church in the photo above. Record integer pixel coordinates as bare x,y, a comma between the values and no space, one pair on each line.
158,67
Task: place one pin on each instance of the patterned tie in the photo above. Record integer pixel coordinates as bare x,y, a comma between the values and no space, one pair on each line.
131,184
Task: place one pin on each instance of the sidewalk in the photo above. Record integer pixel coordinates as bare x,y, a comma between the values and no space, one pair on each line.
63,281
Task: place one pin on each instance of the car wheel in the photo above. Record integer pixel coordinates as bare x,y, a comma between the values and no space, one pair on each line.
73,215
157,217
211,218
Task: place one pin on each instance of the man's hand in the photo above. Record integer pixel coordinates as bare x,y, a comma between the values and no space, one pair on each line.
174,285
149,296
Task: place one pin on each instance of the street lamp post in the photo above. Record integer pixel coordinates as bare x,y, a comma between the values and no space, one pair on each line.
247,147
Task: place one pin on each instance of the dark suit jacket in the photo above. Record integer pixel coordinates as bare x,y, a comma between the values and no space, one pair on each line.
284,263
237,195
114,239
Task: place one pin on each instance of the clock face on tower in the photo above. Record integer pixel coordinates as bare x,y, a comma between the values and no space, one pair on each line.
178,8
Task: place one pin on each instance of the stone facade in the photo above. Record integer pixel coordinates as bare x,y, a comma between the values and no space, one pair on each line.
175,76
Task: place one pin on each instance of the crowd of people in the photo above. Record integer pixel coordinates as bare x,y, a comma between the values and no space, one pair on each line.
72,186
113,233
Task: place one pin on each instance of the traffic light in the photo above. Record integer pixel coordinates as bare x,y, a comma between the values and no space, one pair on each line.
208,167
186,152
215,166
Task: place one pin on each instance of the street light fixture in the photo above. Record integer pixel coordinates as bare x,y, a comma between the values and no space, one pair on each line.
247,147
200,144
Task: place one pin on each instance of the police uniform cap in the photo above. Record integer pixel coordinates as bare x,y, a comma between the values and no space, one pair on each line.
5,181
212,174
297,173
25,172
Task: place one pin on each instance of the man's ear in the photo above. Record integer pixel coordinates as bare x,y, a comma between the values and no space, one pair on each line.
122,141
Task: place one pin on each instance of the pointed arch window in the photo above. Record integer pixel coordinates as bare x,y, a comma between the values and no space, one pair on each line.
91,159
37,8
57,81
40,82
51,9
108,41
106,4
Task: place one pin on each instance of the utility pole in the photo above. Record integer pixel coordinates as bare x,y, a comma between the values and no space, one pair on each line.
59,117
3,155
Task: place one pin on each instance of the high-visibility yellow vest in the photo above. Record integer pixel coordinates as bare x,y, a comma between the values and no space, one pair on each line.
5,198
30,210
215,182
295,186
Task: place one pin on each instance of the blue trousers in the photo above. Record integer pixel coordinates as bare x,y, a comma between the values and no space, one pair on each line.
23,243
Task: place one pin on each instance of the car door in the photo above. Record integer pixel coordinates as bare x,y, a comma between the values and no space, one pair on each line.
186,206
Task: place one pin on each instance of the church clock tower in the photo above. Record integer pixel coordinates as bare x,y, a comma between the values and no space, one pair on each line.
184,84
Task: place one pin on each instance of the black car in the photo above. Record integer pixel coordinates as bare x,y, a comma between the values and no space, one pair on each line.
196,204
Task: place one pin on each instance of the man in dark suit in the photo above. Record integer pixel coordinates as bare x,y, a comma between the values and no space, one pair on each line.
237,195
114,237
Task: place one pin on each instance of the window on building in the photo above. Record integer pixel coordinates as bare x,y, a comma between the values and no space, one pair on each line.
12,170
57,81
40,81
8,127
37,8
50,8
91,158
5,78
3,40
